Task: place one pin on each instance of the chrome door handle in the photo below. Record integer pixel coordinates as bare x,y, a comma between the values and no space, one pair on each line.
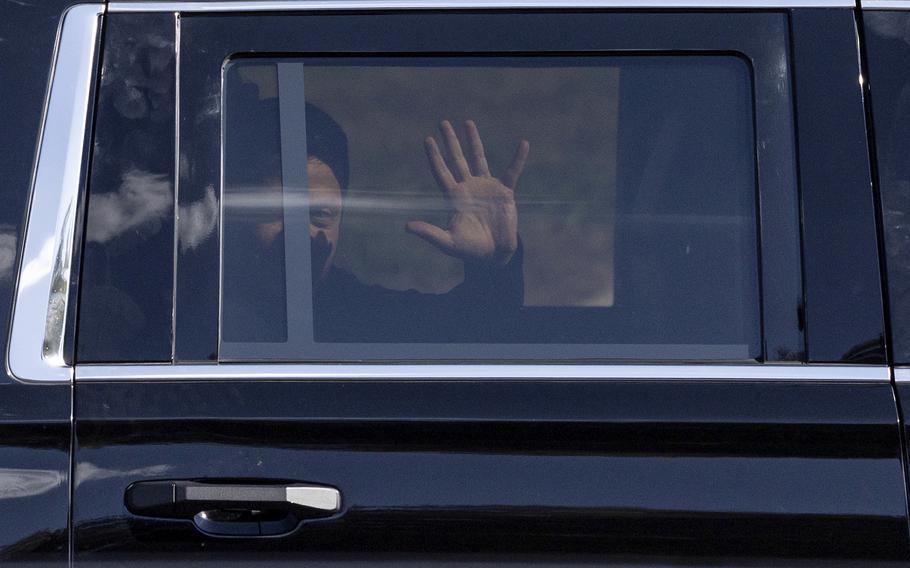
227,509
314,497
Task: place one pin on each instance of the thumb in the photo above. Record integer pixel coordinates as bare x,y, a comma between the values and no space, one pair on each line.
439,238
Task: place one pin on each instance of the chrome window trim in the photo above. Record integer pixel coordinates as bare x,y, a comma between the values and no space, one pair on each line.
176,223
35,346
885,5
312,5
902,375
478,372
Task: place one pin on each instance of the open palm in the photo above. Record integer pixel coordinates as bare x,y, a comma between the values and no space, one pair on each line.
483,225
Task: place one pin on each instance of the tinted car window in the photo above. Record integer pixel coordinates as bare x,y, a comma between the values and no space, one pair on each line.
889,58
126,288
471,208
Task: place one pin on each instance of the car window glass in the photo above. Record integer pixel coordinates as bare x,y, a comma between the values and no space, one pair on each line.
489,207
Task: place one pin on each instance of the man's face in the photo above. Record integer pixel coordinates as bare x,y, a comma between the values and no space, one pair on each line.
325,215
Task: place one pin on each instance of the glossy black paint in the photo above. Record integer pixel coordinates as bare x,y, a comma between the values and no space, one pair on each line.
704,453
844,315
534,472
902,392
472,471
34,421
126,292
887,57
207,41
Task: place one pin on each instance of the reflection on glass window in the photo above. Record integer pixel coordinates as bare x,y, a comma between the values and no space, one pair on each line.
489,208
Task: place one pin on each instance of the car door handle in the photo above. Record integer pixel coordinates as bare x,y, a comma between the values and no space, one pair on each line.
227,509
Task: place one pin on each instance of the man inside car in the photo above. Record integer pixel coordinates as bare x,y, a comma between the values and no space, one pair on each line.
482,231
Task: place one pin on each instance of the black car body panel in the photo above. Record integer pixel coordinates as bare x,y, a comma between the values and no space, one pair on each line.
694,463
477,472
844,316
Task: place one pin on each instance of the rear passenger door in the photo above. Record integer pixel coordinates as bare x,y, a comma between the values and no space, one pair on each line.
671,345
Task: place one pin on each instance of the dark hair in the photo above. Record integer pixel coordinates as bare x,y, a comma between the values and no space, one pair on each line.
326,141
256,148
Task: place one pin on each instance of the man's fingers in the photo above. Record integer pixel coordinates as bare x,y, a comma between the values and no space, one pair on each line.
440,238
438,165
462,171
518,164
478,158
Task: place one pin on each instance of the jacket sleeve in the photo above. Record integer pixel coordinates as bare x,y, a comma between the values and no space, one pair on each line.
491,286
482,308
479,309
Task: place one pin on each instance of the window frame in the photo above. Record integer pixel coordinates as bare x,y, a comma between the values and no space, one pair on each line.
621,348
204,49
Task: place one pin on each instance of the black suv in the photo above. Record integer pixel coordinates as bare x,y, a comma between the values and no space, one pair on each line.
582,282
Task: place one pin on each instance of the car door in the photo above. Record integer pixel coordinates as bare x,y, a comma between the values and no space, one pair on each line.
679,353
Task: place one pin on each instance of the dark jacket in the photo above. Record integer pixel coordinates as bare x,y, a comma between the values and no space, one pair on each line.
348,311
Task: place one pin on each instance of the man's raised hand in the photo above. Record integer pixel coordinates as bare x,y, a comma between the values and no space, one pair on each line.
483,225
